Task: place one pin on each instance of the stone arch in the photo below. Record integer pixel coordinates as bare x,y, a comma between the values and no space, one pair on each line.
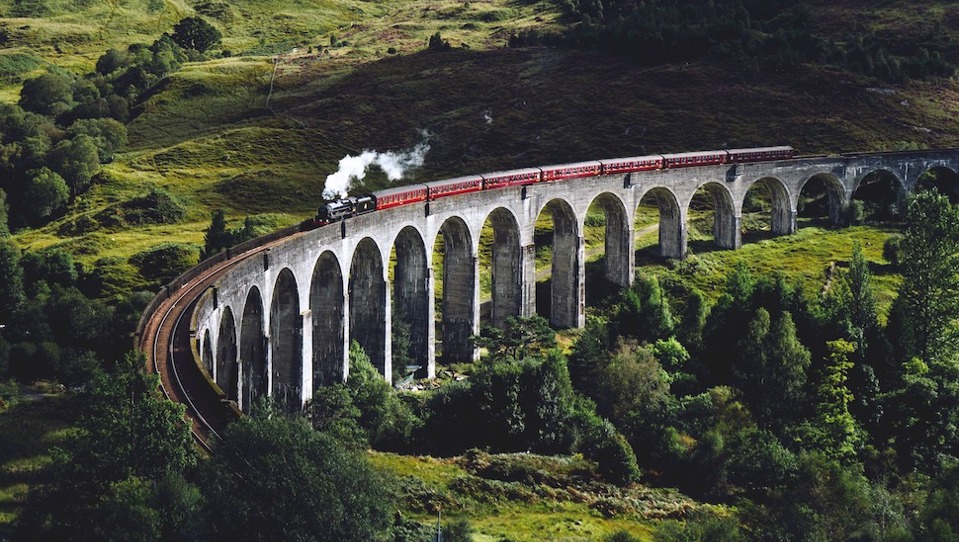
286,342
327,304
943,178
227,371
672,223
368,303
834,192
618,261
781,217
253,367
206,351
506,267
883,192
566,291
726,232
459,291
411,296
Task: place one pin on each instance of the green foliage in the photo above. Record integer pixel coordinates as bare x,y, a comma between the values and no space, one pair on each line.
4,223
929,262
49,94
165,262
838,433
46,195
520,338
155,207
197,34
102,480
387,420
11,287
702,527
294,481
14,66
458,530
892,249
644,313
77,160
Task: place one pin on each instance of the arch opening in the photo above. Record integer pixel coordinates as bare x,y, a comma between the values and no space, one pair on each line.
327,305
455,292
252,351
559,297
207,352
607,232
227,370
501,265
821,200
286,347
943,179
367,289
410,315
712,220
766,210
882,198
659,211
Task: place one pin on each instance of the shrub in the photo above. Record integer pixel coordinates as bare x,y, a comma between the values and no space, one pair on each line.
892,249
437,43
167,261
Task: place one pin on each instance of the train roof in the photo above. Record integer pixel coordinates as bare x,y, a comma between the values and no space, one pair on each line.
591,163
455,180
693,154
398,190
631,159
762,149
511,172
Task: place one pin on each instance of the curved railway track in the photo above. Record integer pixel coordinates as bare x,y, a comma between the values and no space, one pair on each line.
166,341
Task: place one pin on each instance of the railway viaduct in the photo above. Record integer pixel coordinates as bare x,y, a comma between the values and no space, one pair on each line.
281,323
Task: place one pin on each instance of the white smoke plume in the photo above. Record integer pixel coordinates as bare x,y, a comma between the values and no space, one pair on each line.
392,163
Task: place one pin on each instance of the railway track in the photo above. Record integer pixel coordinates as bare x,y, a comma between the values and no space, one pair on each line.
166,341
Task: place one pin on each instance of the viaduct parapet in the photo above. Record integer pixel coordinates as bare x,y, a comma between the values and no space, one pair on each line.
280,324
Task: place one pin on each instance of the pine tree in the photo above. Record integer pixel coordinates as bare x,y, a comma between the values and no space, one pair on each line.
930,282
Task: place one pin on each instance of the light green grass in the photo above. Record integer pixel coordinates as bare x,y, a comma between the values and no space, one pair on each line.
530,516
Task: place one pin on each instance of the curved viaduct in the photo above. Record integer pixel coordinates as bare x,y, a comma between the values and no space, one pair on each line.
280,322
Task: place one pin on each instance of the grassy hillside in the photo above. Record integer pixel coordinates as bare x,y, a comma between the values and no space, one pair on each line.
210,137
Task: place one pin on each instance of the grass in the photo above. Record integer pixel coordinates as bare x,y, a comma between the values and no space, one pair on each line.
561,505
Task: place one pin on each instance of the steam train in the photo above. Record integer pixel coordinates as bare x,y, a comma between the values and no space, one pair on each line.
337,210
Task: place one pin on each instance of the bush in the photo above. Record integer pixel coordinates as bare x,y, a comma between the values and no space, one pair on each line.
197,34
165,262
437,43
892,249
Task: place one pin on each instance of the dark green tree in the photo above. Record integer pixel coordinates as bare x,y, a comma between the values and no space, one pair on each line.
49,94
217,238
273,475
929,263
11,287
45,195
4,223
197,34
77,160
521,338
104,482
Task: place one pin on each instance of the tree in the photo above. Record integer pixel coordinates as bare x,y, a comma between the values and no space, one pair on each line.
274,475
197,34
520,338
4,223
839,434
217,239
11,287
77,160
929,262
103,482
45,195
49,94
